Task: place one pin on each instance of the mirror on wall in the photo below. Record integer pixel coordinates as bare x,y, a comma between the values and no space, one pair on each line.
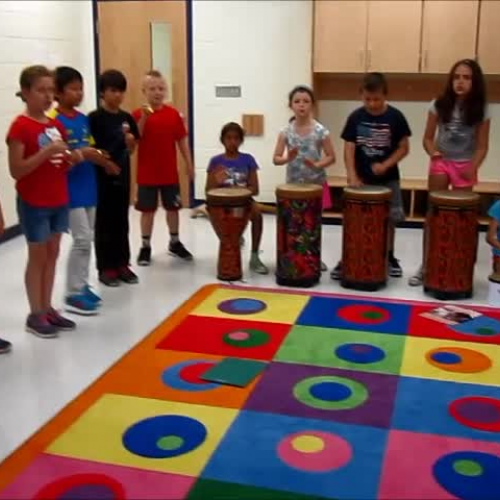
161,52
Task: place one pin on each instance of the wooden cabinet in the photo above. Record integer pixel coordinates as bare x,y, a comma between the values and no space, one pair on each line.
449,33
393,37
340,36
488,46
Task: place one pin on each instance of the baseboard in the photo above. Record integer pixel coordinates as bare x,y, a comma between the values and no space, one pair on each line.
10,233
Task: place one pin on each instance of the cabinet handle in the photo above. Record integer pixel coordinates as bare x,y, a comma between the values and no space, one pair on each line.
369,59
361,56
424,60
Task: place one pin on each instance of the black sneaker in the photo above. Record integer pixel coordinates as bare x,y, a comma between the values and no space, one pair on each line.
179,250
336,273
395,270
109,278
5,346
144,258
128,276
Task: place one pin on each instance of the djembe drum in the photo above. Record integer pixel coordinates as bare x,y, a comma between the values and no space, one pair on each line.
451,244
365,237
229,211
298,256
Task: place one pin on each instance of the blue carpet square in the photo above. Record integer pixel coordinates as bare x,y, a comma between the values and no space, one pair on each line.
423,405
483,326
356,314
351,458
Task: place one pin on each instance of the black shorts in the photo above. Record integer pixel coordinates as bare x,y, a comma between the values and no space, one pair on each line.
147,198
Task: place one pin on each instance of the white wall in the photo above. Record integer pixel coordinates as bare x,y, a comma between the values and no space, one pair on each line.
39,32
334,114
264,46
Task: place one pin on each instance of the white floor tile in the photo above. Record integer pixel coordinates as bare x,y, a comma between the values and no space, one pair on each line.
41,376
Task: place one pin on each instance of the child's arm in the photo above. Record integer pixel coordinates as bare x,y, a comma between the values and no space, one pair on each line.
212,180
482,144
353,179
279,157
100,158
491,235
20,167
253,182
145,112
428,141
394,159
186,155
2,221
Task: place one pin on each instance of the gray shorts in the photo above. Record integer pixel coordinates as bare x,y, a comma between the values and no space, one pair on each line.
397,210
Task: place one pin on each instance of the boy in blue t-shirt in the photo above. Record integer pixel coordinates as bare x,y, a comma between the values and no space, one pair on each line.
493,236
235,169
80,298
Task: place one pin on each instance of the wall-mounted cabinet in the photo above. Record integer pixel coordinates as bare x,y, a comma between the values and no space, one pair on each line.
405,36
449,33
488,46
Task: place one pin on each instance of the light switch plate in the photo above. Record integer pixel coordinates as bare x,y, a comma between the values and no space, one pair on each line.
230,91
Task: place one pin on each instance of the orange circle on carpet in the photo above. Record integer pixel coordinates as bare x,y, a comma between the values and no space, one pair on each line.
458,360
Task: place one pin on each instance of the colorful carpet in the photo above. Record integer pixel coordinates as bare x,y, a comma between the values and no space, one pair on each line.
359,399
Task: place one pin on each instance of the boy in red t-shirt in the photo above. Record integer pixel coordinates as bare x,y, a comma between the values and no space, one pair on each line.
161,130
38,160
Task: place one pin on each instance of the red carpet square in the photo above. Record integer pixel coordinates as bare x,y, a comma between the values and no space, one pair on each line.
227,337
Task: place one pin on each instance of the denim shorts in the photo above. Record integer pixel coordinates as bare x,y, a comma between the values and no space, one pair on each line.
39,224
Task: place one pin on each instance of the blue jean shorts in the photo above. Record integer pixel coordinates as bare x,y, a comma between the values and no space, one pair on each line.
39,224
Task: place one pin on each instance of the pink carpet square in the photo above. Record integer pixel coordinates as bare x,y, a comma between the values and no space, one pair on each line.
409,459
49,476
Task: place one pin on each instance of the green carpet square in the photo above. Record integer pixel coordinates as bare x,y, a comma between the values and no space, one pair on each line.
349,349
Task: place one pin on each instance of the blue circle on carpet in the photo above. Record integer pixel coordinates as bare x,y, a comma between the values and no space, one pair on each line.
242,306
446,358
330,391
469,475
143,437
360,353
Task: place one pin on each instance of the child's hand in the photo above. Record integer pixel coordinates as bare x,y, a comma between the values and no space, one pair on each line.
378,169
221,175
57,148
310,163
353,180
129,141
111,168
292,154
147,110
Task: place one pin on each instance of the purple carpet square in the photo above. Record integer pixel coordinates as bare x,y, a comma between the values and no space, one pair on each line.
326,393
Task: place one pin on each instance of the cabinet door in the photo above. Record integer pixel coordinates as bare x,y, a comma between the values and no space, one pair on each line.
340,36
394,35
449,33
488,47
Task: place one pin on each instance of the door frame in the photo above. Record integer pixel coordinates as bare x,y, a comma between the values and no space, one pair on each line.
190,86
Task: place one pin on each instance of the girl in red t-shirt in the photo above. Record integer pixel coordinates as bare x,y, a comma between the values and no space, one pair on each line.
38,160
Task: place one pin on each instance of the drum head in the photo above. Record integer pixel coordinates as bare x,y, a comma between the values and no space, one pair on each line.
368,193
457,199
228,197
299,191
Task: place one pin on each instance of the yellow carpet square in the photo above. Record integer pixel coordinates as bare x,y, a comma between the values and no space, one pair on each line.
449,360
98,434
279,307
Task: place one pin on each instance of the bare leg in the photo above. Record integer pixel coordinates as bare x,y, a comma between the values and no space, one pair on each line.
50,270
256,229
173,221
34,276
147,223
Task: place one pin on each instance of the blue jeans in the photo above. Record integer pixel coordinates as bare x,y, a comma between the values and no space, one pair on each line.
39,224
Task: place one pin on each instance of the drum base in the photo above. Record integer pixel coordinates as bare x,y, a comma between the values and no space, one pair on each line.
363,286
297,283
442,295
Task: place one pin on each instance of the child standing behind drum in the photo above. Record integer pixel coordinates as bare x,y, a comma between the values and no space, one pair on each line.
460,118
235,169
376,140
304,139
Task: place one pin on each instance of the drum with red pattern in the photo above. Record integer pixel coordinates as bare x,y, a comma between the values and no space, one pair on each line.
365,237
229,211
451,244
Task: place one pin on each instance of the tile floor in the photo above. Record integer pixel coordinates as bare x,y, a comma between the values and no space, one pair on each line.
41,376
